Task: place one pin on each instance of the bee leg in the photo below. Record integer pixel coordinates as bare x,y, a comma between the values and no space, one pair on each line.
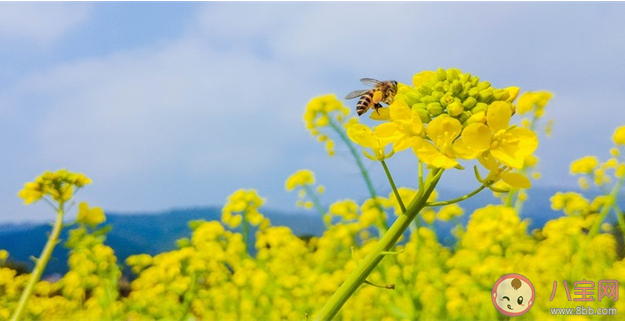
377,106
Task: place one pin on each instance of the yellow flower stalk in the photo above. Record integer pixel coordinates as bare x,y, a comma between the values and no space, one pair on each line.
59,187
445,116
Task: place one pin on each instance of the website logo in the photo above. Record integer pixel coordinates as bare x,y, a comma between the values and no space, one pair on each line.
513,294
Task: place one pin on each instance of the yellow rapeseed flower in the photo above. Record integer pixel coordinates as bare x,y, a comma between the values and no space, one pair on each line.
508,144
346,209
319,114
439,152
448,212
584,165
619,136
90,216
363,136
300,178
405,128
58,185
533,101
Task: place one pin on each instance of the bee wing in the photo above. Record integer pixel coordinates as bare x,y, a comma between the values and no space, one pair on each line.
356,93
370,81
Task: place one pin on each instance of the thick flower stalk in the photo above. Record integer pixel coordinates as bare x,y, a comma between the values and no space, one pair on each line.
445,117
57,189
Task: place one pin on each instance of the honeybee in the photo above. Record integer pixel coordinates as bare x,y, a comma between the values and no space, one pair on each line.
368,97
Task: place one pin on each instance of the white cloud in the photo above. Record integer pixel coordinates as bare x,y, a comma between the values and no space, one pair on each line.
39,22
222,106
178,106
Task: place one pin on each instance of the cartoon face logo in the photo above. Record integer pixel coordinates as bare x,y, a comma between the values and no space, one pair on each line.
513,294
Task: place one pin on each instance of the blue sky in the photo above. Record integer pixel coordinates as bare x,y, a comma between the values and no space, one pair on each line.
168,105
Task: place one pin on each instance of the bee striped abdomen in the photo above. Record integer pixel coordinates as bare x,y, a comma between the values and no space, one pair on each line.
365,102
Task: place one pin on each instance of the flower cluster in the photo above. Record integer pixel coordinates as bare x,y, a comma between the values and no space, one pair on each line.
308,194
448,115
590,169
243,206
211,275
58,185
322,112
444,117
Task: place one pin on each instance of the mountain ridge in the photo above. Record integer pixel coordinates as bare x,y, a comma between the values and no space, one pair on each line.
157,232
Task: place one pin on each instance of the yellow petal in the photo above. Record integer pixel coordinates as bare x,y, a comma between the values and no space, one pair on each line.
516,180
498,116
382,113
517,144
400,111
461,150
443,130
386,130
405,143
477,136
429,154
488,162
360,134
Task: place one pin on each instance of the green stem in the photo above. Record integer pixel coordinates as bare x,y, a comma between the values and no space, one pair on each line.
605,209
314,199
189,295
361,166
245,229
619,217
360,274
395,191
459,199
41,263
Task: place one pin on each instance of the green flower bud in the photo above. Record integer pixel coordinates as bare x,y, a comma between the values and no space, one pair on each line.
479,107
501,94
409,98
424,90
465,90
486,96
441,74
438,95
469,102
473,92
446,100
465,78
428,99
483,85
424,115
452,74
455,109
464,116
456,87
413,96
435,108
475,80
419,106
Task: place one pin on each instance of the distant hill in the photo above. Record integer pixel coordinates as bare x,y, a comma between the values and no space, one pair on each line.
150,233
153,233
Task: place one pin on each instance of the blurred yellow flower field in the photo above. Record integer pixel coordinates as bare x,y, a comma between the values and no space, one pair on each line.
360,268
